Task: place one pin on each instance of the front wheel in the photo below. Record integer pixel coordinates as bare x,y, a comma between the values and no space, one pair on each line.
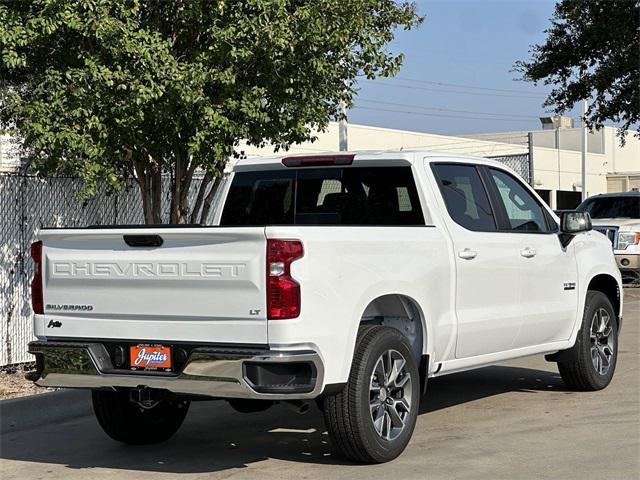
137,423
373,418
589,365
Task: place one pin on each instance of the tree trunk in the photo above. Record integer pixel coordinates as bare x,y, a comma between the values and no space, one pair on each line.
149,178
197,206
156,188
206,207
176,188
184,194
148,174
143,184
181,186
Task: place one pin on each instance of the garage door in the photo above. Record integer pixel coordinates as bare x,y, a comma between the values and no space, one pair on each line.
616,184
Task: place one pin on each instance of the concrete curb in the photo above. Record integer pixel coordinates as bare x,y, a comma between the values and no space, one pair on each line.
26,412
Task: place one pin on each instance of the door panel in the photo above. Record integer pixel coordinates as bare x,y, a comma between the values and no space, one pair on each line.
487,293
548,298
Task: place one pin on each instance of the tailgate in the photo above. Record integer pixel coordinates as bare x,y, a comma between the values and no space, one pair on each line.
200,285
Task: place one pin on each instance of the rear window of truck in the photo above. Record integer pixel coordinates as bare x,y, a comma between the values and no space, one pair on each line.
323,196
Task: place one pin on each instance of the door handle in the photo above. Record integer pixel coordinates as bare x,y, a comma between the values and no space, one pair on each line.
467,254
528,252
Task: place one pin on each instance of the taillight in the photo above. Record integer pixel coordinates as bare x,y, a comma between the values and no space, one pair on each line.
37,300
283,292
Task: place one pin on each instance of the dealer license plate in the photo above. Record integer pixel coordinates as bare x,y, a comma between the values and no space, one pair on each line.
150,357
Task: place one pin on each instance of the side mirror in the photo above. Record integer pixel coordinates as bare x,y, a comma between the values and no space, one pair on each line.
572,222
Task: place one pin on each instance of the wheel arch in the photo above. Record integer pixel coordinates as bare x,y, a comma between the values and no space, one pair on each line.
609,286
403,313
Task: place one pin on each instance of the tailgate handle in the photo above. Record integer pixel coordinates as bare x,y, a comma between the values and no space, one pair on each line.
143,240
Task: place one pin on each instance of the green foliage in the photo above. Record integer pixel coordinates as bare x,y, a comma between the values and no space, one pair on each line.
107,89
592,50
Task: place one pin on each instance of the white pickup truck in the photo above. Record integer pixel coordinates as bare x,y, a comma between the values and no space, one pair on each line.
348,278
617,215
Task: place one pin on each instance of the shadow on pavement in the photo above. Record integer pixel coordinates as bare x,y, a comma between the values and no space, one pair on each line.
214,437
458,388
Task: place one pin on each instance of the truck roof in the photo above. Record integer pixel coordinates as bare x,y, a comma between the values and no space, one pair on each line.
365,156
615,194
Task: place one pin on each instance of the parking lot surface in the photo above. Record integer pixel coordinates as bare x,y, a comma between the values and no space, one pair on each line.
515,421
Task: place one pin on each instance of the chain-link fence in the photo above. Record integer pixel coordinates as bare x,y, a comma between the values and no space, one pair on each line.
28,203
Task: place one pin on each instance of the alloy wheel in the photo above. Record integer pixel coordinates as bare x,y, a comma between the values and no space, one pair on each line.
390,394
602,341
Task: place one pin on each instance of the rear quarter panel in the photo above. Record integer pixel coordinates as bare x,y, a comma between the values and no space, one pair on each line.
344,268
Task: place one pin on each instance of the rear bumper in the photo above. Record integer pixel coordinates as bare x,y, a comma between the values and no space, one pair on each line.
209,371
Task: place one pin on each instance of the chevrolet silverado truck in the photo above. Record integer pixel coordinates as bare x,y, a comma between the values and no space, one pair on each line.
617,215
346,278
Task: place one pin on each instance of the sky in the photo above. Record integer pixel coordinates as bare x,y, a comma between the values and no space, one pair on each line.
470,43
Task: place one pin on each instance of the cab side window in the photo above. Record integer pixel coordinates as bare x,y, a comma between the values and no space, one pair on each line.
465,197
523,211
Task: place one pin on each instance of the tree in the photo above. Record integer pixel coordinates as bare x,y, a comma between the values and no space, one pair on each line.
592,50
118,89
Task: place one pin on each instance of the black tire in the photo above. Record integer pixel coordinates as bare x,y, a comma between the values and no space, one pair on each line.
130,423
576,366
348,414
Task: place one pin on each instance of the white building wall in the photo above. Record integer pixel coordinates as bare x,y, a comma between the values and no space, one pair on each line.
9,158
563,138
622,159
555,169
364,137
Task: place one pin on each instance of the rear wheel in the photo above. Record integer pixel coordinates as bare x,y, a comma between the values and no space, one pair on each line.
137,423
373,418
589,365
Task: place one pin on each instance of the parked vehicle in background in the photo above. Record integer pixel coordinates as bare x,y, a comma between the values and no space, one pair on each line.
346,278
617,215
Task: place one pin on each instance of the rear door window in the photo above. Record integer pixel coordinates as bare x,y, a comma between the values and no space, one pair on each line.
260,198
324,196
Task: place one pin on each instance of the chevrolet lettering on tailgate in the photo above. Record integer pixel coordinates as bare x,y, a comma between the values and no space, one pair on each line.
147,269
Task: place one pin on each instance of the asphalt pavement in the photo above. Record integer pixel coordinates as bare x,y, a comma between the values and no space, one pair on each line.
512,421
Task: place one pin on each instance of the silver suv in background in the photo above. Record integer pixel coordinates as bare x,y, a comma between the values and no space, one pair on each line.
617,215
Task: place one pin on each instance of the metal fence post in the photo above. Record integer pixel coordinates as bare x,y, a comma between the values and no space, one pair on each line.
531,171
